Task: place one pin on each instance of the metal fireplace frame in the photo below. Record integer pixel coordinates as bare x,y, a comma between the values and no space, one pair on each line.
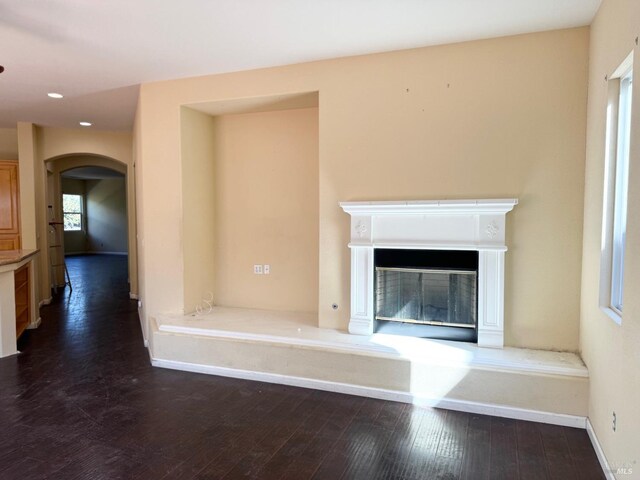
428,270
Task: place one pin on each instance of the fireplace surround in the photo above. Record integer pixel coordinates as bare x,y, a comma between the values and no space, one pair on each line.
426,293
437,225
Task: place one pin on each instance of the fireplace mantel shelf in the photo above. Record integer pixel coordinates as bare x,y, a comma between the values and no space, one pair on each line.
432,207
430,246
471,224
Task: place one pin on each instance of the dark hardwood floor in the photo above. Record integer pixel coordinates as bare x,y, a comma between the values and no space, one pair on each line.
82,402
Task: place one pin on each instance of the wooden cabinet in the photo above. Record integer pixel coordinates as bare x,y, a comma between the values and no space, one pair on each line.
21,282
9,206
10,243
17,302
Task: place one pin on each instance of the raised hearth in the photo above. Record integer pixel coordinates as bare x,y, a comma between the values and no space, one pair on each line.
290,348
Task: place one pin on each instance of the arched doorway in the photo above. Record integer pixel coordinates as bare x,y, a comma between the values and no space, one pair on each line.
61,170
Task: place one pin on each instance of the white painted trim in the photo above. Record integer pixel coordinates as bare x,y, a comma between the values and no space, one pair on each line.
359,326
624,67
472,224
492,339
361,322
35,324
106,253
430,246
144,338
69,254
612,314
384,394
133,296
46,301
432,207
608,473
480,357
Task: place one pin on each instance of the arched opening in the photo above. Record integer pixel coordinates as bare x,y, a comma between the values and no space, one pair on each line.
97,219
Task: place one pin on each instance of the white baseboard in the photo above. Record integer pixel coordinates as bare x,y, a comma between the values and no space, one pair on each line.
144,338
46,301
608,473
107,253
35,324
384,394
69,254
133,296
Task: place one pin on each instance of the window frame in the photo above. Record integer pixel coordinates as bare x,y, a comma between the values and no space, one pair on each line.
616,184
80,213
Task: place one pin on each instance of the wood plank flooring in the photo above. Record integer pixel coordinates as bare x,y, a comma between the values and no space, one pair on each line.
82,402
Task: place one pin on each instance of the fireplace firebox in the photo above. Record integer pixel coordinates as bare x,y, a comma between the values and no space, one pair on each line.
427,293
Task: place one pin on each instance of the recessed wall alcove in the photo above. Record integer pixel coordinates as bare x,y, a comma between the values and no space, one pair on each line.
250,181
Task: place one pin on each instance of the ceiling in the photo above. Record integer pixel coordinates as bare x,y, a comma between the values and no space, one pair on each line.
91,173
96,53
258,104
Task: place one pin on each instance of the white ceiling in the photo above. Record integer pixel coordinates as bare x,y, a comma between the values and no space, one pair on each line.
258,104
97,52
91,173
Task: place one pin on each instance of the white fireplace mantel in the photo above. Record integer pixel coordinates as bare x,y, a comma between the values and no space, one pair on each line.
431,225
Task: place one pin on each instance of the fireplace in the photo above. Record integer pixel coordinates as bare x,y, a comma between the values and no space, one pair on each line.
426,293
446,258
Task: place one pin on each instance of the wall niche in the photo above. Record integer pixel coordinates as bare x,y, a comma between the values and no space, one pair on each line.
250,197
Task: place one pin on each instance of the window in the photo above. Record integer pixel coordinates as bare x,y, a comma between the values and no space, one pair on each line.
616,182
72,212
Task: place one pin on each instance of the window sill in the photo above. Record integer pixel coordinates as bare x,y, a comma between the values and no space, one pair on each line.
612,314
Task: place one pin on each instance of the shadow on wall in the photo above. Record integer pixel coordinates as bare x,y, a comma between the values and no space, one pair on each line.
100,195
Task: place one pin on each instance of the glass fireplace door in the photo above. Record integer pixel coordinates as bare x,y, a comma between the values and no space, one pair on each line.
427,296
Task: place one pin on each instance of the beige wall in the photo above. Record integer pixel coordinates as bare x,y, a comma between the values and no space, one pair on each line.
266,204
77,242
8,143
198,199
34,206
138,164
105,208
611,351
106,215
55,142
493,118
38,145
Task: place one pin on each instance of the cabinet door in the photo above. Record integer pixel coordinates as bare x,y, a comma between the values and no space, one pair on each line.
9,242
9,211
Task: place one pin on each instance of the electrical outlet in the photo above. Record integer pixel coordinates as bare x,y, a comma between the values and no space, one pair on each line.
257,269
614,422
267,269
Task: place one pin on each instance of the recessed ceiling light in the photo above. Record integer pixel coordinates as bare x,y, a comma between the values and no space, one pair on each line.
85,124
55,95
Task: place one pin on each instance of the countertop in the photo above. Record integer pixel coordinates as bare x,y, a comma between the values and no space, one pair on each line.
7,257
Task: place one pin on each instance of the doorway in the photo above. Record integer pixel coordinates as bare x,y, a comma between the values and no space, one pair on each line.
89,213
93,223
